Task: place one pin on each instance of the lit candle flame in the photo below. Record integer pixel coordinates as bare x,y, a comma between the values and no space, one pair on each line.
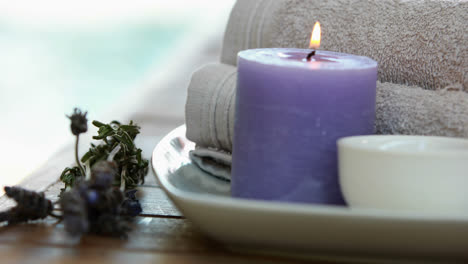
315,38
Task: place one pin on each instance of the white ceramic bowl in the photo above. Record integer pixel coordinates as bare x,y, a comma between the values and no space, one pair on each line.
405,172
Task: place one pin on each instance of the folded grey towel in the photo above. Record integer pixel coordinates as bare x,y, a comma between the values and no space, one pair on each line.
400,109
419,43
214,161
209,111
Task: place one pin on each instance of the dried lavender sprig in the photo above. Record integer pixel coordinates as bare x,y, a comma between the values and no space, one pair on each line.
29,206
79,124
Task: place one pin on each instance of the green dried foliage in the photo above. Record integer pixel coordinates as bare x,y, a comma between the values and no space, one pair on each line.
132,168
69,176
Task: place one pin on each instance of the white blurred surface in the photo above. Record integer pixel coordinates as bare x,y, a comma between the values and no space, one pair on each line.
98,12
56,55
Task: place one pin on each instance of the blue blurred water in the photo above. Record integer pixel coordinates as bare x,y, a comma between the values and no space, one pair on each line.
90,68
45,72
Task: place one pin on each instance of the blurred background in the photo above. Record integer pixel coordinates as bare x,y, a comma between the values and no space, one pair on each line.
55,55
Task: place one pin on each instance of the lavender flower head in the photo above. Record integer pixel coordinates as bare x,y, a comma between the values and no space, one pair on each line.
79,122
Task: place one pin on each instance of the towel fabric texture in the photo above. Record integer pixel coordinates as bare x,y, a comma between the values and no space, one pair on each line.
400,109
209,111
418,43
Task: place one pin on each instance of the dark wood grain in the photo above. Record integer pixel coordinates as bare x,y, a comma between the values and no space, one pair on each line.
149,234
152,236
156,203
52,255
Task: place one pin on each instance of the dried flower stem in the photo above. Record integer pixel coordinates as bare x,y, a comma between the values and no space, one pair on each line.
114,152
88,170
122,178
78,163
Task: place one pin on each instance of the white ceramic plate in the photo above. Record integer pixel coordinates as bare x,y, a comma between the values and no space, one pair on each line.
301,228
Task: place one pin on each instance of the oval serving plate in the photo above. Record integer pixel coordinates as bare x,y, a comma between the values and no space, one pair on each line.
301,228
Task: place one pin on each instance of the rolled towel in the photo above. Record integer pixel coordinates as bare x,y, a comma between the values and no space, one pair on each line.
400,109
209,111
418,43
411,110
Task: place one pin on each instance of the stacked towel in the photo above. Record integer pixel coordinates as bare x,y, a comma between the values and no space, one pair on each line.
209,112
421,43
400,109
421,47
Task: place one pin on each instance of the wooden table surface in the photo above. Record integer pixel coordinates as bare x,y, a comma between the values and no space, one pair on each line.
160,235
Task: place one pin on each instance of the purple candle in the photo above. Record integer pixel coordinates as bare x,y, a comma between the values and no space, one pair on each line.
290,113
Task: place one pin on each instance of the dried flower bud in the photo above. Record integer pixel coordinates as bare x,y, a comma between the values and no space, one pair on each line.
103,174
79,122
75,214
30,206
131,206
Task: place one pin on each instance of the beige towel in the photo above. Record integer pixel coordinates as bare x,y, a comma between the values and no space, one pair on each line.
419,43
400,109
209,111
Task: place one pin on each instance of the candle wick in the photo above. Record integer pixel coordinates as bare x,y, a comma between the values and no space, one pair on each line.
309,56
